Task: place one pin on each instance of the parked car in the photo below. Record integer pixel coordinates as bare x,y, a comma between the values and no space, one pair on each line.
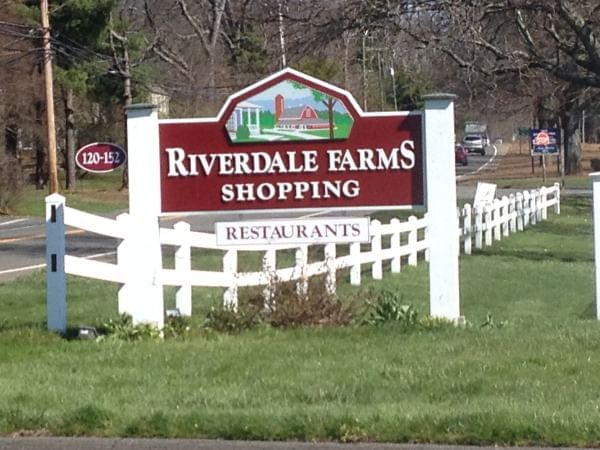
460,155
474,143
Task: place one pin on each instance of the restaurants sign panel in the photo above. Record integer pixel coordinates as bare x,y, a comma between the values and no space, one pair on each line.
291,142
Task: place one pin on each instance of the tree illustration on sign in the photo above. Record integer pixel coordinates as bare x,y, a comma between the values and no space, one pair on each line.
325,99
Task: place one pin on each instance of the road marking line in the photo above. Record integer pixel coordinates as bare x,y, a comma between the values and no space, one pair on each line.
10,222
22,269
482,167
39,266
37,236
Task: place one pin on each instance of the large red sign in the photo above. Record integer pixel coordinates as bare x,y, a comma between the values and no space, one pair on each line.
290,142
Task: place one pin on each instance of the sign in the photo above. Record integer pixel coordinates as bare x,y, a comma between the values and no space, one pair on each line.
100,157
293,231
291,142
544,140
484,194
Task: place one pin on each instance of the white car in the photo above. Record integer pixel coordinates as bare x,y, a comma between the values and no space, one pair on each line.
474,143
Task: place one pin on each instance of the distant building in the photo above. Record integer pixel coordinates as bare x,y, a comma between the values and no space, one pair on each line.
247,114
159,98
297,118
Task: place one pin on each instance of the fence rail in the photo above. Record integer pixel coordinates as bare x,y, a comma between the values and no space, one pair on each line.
399,242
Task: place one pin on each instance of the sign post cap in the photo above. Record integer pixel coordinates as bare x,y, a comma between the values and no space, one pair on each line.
439,96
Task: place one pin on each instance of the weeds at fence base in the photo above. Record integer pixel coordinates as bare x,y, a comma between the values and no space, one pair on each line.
287,306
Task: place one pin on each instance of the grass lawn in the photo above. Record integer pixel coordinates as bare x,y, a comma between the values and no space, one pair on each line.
571,182
523,371
94,193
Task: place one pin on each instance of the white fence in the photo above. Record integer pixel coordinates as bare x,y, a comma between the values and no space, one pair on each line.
399,242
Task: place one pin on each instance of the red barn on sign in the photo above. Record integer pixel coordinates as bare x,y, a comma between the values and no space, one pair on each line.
297,118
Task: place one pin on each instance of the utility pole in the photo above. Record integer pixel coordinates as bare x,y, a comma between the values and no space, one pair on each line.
52,169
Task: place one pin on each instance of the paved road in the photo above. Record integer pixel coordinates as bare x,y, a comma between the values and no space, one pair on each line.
43,443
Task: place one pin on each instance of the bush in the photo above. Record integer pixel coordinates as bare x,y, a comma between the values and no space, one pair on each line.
242,133
286,307
289,307
10,182
388,307
123,329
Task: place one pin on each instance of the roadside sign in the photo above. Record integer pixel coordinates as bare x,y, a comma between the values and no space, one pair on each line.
484,194
544,141
292,142
293,231
100,157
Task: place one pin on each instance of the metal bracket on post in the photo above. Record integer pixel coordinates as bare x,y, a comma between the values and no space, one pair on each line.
444,297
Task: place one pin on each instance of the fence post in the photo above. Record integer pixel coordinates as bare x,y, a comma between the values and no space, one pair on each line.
467,228
412,241
505,216
426,237
512,210
377,266
596,217
330,277
487,212
125,261
478,227
544,195
526,208
56,288
301,262
269,266
146,289
396,263
520,212
183,265
533,208
444,289
230,264
355,269
557,197
497,219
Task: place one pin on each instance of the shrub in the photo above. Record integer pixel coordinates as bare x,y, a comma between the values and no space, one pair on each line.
123,329
286,307
229,319
388,307
242,133
10,182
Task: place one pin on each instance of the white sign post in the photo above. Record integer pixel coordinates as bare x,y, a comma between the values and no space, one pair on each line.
142,296
596,192
444,297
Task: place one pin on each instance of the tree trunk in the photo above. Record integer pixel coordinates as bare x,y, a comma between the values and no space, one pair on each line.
70,138
41,168
126,103
571,142
330,103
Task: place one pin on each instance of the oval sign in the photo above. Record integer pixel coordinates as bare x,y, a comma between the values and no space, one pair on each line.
100,157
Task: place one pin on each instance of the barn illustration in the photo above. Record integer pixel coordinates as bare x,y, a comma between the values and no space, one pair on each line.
297,118
288,111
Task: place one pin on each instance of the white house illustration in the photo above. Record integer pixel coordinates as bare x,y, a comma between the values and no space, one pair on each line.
245,113
297,118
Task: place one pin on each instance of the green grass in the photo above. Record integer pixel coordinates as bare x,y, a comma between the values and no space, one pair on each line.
94,193
571,182
529,378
